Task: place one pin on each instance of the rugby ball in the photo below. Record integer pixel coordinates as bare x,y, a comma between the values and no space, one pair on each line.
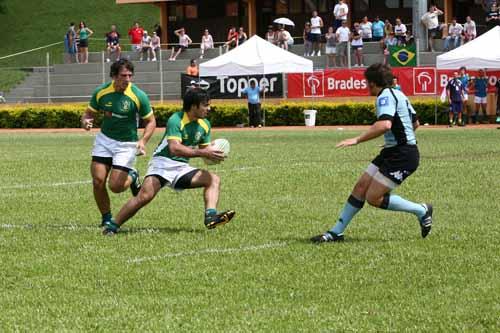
219,144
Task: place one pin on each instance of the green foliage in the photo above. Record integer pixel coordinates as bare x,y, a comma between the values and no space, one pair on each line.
10,77
223,115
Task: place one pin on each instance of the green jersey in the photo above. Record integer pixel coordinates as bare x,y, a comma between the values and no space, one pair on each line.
120,110
190,133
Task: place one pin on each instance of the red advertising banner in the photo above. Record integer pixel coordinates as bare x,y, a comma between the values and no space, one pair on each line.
350,83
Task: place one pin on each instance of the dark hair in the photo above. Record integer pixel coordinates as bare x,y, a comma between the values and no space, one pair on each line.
463,67
119,64
379,74
194,96
192,61
72,24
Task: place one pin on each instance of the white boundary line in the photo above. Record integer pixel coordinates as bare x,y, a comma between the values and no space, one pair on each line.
22,186
208,251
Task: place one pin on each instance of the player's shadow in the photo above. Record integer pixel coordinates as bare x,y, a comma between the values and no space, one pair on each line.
307,240
159,230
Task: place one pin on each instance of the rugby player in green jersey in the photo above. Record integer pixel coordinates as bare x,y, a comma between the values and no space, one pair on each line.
187,135
117,144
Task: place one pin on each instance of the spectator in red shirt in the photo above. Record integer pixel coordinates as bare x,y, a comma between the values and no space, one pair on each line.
232,39
135,34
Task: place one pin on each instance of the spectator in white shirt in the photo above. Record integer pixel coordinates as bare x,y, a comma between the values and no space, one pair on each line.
366,30
431,22
400,31
469,29
316,25
343,35
155,45
340,12
454,35
357,45
184,42
146,46
207,42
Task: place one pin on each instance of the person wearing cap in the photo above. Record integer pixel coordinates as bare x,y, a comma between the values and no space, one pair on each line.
146,46
192,69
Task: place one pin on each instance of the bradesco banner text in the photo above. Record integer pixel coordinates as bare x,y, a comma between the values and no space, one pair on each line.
232,87
348,83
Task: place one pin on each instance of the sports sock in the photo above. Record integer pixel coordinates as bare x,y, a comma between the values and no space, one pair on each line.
133,174
351,208
396,203
107,216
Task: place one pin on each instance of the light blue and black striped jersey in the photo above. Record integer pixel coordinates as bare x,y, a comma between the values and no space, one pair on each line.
393,105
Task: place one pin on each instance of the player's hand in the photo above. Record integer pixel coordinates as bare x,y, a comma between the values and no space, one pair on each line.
141,148
214,154
87,124
347,143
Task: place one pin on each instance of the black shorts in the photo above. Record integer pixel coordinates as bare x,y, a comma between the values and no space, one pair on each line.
398,163
433,32
183,183
377,39
83,43
315,38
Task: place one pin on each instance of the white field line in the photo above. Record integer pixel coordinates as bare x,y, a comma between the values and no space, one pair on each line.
208,251
22,186
41,226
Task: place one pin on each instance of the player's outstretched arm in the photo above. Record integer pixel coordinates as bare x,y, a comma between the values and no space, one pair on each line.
149,129
376,130
178,149
87,119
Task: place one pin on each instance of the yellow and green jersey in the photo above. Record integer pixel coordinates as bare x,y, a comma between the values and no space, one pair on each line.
120,110
190,133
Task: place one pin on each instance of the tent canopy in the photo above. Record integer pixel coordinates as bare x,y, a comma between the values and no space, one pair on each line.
482,52
256,56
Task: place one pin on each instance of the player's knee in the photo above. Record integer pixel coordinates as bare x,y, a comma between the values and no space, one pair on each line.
215,180
374,200
99,182
116,187
145,196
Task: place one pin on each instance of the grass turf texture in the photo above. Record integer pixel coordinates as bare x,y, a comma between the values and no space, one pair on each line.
166,272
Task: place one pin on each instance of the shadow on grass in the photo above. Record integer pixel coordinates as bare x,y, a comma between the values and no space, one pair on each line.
347,240
154,230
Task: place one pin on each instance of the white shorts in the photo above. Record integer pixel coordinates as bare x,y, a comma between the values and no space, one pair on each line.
466,97
480,100
330,50
168,169
123,154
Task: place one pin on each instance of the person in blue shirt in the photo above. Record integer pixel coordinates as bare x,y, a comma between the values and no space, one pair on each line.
253,95
480,91
455,92
377,30
465,79
396,121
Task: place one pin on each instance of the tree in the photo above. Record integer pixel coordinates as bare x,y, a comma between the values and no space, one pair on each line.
3,9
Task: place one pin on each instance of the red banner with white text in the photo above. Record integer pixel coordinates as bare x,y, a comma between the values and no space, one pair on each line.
350,83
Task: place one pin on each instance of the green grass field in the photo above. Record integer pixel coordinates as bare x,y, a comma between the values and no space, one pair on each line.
166,272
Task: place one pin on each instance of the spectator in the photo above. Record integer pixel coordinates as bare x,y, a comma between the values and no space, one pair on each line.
157,29
135,34
357,45
271,35
431,22
388,28
395,84
464,78
192,69
400,32
184,42
253,96
207,42
83,48
480,91
242,36
493,17
366,30
316,25
469,29
70,44
343,35
486,4
113,43
146,47
156,46
389,41
455,92
330,48
285,40
308,40
232,39
340,12
454,35
378,30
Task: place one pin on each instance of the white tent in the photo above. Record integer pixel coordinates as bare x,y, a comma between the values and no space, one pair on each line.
256,56
482,52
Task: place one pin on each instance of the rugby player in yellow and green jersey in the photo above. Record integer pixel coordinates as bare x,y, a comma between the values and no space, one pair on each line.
187,135
117,144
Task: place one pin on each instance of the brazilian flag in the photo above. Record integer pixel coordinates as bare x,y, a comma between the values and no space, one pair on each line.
403,56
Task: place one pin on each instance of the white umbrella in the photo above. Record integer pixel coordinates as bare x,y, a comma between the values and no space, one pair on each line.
284,21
